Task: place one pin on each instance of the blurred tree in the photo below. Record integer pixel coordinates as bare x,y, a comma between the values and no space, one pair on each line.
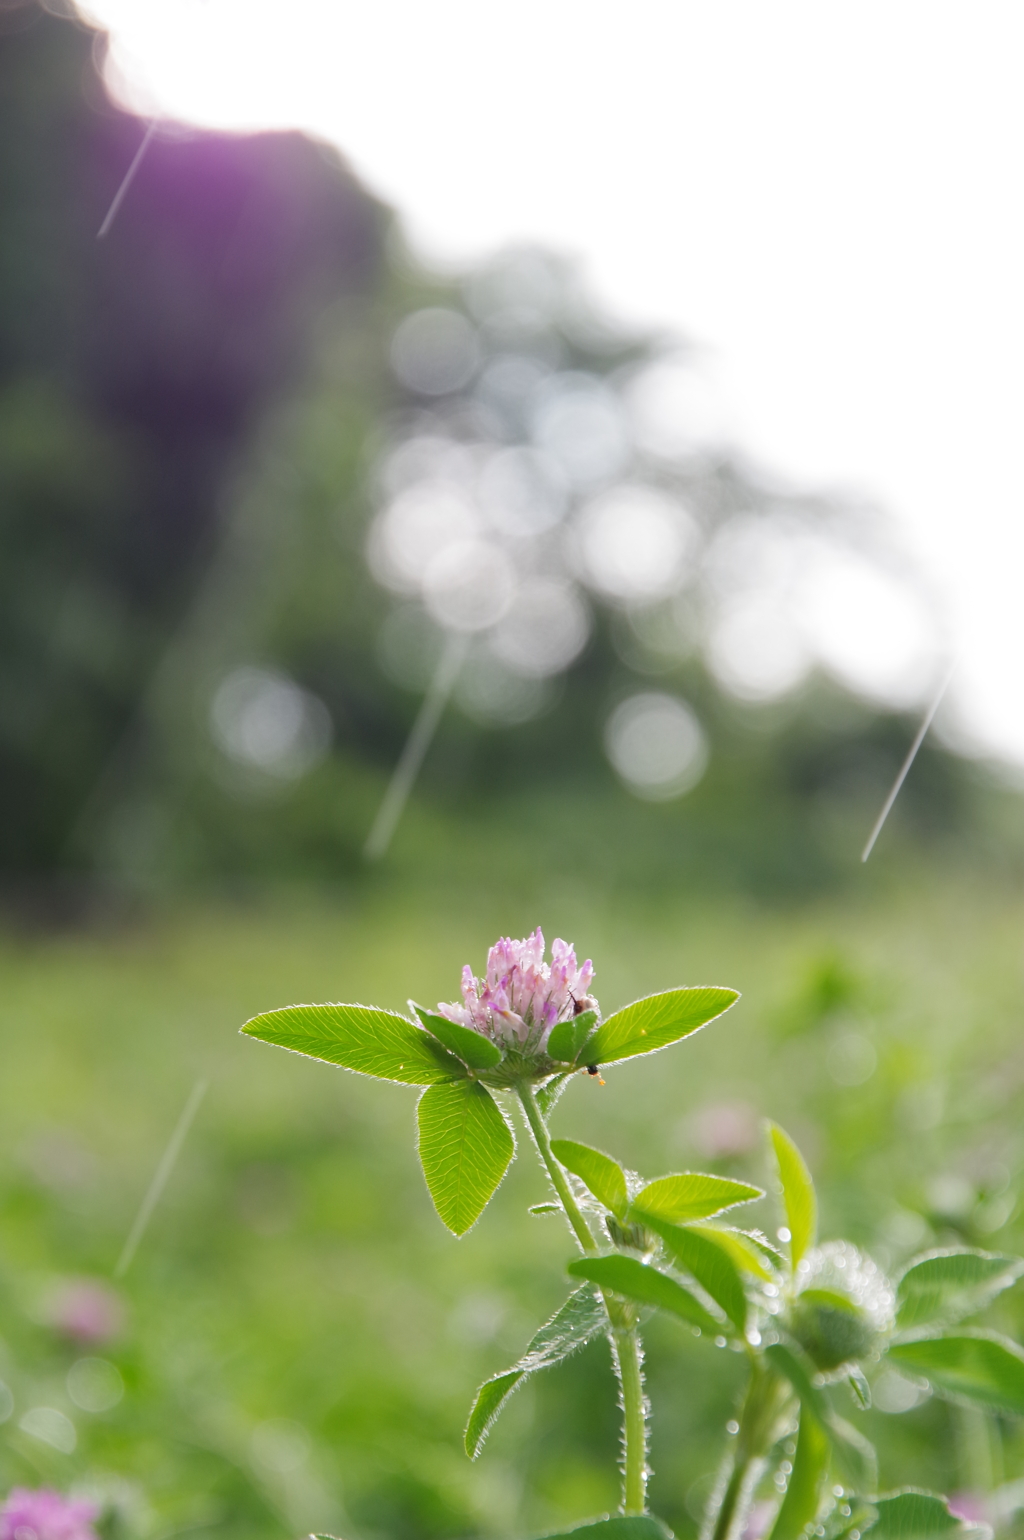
257,464
131,371
479,448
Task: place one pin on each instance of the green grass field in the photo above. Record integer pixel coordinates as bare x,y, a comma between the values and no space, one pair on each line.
302,1338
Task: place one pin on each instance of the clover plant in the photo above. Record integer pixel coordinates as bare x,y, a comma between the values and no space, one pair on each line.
814,1321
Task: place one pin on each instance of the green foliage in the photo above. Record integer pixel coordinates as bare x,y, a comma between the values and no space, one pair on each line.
656,1021
713,1268
568,1038
803,1493
465,1148
798,1195
831,1328
859,1387
475,1050
946,1286
855,1454
980,1367
692,1195
789,1361
916,1515
738,1248
359,1038
646,1285
548,1094
603,1176
582,1318
618,1527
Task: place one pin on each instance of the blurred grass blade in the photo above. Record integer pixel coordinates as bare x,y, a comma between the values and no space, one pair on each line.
803,1493
127,180
980,1367
161,1176
692,1195
359,1038
465,1148
567,1039
581,1319
418,742
602,1175
639,1281
655,1022
471,1047
948,1285
713,1269
798,1195
904,769
915,1515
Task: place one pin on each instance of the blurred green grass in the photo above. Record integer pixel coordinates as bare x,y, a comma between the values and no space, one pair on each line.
303,1337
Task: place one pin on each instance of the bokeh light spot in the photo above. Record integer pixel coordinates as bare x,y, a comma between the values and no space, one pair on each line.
657,745
264,721
469,585
435,352
633,543
544,630
579,421
94,1384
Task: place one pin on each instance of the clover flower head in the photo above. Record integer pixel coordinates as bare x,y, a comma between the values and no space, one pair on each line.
843,1267
521,997
46,1515
844,1308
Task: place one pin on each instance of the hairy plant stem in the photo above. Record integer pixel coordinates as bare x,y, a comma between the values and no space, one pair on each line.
628,1359
627,1353
538,1128
765,1400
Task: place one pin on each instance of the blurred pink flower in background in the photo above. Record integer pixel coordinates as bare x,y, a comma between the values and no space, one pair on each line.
46,1515
85,1309
728,1128
973,1507
759,1518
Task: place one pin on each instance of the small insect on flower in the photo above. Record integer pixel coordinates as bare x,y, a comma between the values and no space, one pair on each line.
584,1003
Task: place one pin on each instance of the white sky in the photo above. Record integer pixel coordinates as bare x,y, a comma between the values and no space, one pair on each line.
828,196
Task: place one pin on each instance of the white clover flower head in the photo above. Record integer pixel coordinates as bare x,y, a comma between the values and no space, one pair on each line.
521,997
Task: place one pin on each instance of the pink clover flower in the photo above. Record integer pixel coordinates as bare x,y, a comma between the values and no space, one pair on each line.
521,997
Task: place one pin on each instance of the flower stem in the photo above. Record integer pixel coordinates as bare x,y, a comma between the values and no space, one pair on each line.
627,1353
629,1357
733,1506
766,1399
540,1133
